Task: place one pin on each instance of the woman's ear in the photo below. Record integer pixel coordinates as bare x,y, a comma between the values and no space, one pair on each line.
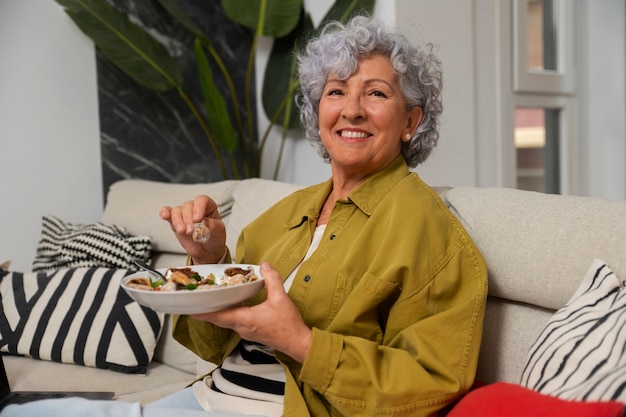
414,118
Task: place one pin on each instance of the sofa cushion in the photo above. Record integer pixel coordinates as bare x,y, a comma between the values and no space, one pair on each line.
79,316
510,400
251,198
538,246
510,328
135,204
27,374
580,353
170,352
67,245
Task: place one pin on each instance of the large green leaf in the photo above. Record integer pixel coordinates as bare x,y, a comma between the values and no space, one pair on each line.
173,8
127,45
216,110
280,74
279,16
342,10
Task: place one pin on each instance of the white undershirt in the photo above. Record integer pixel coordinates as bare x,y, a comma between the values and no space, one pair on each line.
238,399
317,238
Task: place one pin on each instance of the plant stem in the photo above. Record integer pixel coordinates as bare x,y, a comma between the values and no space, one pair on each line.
208,134
286,100
283,139
256,165
235,101
272,123
251,139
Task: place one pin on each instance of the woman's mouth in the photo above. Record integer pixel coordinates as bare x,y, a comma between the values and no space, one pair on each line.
351,134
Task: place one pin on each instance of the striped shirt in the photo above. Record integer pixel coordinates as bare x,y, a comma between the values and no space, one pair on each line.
251,374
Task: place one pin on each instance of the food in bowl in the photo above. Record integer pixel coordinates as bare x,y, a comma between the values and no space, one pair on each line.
181,279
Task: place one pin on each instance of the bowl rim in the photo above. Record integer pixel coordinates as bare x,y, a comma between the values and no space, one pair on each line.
179,292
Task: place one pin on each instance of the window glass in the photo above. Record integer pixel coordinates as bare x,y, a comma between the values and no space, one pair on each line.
537,149
542,25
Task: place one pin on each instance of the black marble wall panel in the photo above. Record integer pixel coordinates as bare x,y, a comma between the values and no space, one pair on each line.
155,136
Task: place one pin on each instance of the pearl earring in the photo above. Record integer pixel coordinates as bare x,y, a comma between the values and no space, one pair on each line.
407,137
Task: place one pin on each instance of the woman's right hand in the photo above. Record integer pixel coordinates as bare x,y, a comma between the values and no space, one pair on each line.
201,209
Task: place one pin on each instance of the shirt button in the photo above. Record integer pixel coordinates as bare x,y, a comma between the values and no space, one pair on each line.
307,278
332,237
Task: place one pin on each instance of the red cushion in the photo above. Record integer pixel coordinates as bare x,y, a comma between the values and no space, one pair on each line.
509,400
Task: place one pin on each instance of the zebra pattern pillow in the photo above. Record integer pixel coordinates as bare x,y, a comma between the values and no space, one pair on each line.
77,315
67,245
580,354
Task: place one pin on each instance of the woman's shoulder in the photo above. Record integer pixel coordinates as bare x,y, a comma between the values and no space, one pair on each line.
414,188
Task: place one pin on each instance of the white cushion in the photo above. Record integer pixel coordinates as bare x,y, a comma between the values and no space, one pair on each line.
79,316
580,353
251,198
135,205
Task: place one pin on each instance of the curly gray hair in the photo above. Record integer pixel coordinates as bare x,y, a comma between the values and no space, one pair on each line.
338,48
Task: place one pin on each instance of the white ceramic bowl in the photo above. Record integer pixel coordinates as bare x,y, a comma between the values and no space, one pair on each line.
194,301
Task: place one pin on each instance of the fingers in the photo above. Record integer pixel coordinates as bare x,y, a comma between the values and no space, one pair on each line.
182,220
183,217
273,280
164,213
234,316
275,322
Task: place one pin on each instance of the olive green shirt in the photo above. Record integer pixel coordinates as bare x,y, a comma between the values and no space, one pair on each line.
395,294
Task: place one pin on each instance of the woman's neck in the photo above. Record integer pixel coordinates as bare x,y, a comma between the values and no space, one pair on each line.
340,191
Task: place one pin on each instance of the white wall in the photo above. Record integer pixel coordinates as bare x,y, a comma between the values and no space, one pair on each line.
602,93
448,24
49,130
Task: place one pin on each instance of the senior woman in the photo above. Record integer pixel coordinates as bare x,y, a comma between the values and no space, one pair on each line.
375,294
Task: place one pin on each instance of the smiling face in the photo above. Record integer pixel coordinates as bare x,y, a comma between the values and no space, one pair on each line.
363,119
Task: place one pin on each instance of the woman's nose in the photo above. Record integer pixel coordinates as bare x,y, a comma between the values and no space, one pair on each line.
353,108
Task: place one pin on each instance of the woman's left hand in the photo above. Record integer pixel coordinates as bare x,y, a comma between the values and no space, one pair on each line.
276,322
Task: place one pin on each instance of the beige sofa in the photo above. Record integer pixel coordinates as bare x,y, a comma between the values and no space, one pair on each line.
537,248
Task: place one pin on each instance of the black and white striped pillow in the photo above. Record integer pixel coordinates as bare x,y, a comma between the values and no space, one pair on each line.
581,353
79,316
67,245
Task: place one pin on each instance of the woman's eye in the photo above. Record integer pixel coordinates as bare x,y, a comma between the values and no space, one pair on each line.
378,93
333,93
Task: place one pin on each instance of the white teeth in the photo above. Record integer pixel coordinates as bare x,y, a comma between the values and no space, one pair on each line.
349,134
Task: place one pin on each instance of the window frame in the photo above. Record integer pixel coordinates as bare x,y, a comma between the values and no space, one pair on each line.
545,89
561,81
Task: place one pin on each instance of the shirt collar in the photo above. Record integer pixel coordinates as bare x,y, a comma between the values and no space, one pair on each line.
367,196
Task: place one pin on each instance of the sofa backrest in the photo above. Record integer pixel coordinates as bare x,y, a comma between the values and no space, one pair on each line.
537,248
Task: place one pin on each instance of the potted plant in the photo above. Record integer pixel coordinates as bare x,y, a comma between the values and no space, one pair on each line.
141,56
